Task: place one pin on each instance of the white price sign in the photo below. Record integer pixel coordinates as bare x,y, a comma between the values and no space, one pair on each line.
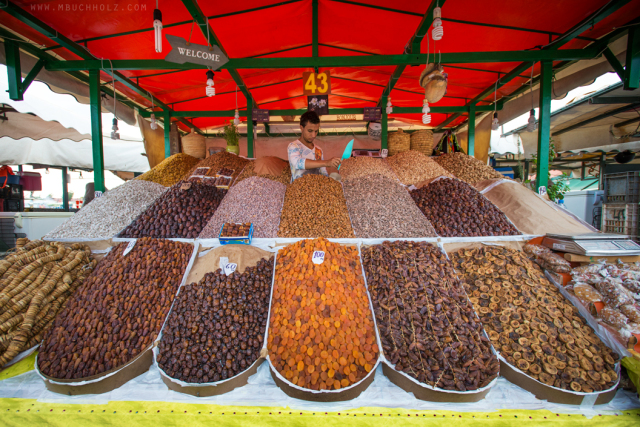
230,268
542,190
384,153
130,246
318,257
97,194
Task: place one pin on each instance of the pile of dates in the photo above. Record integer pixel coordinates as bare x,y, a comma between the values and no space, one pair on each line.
427,325
183,211
458,210
216,329
117,312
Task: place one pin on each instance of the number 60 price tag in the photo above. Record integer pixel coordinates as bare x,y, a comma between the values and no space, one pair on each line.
318,257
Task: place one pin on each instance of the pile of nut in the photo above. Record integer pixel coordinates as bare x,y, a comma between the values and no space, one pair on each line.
355,167
223,160
531,324
170,170
248,172
467,168
183,211
413,167
235,230
314,206
381,207
118,312
456,209
216,328
321,331
106,216
255,200
427,325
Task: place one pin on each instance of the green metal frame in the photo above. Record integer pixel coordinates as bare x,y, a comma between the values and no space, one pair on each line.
544,124
617,66
166,114
314,28
471,133
12,52
597,118
614,100
96,129
249,128
632,65
32,75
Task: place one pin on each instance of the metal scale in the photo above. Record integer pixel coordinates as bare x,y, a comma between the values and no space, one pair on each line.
593,244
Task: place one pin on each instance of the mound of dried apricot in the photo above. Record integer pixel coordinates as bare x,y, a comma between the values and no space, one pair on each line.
321,331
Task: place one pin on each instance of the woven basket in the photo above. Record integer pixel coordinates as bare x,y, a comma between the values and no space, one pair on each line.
422,141
193,144
398,142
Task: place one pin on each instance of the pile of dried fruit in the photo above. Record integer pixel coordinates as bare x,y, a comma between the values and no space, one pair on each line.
35,282
117,312
183,211
531,324
467,168
457,209
216,328
106,216
284,177
381,207
314,206
427,325
413,167
321,331
222,160
170,170
255,200
355,167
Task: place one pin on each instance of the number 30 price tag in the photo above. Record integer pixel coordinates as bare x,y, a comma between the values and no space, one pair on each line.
230,268
318,257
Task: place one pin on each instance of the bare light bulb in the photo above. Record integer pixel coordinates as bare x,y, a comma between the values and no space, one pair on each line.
437,32
531,124
495,124
157,29
211,91
389,107
114,130
236,118
426,117
154,124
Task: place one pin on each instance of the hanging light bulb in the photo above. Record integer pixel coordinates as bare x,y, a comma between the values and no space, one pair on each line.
154,124
532,125
114,130
495,124
211,91
157,28
389,107
426,117
437,31
236,118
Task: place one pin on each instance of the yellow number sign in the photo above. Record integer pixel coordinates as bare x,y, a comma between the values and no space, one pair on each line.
316,83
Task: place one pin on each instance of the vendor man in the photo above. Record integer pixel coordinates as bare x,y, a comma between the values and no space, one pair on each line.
304,156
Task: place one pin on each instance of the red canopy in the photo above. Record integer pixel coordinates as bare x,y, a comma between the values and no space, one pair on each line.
262,27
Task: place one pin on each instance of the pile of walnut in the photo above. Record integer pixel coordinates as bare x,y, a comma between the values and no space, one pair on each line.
35,282
531,324
458,210
467,168
427,325
216,328
118,311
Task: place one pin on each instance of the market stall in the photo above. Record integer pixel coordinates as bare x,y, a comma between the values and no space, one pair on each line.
214,288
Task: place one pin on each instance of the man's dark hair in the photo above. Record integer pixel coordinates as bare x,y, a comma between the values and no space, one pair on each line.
309,116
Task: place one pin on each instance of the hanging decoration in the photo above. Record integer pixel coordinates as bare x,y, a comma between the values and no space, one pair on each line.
437,31
211,91
114,129
154,124
157,28
426,117
389,106
434,82
495,124
236,117
531,124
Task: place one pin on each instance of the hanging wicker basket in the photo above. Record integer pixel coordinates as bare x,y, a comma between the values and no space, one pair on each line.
433,82
193,144
398,142
422,141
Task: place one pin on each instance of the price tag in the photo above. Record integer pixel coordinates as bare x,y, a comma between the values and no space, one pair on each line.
316,84
318,257
604,273
130,246
542,190
384,153
372,114
185,186
259,115
97,194
230,268
559,246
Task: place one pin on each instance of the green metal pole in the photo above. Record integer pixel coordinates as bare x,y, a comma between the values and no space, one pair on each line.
384,124
249,128
65,190
632,65
12,52
314,26
544,124
471,129
96,130
167,132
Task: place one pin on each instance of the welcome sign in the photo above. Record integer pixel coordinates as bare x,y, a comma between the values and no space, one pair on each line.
182,52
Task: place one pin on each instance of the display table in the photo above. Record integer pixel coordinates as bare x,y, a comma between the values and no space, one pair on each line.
145,400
